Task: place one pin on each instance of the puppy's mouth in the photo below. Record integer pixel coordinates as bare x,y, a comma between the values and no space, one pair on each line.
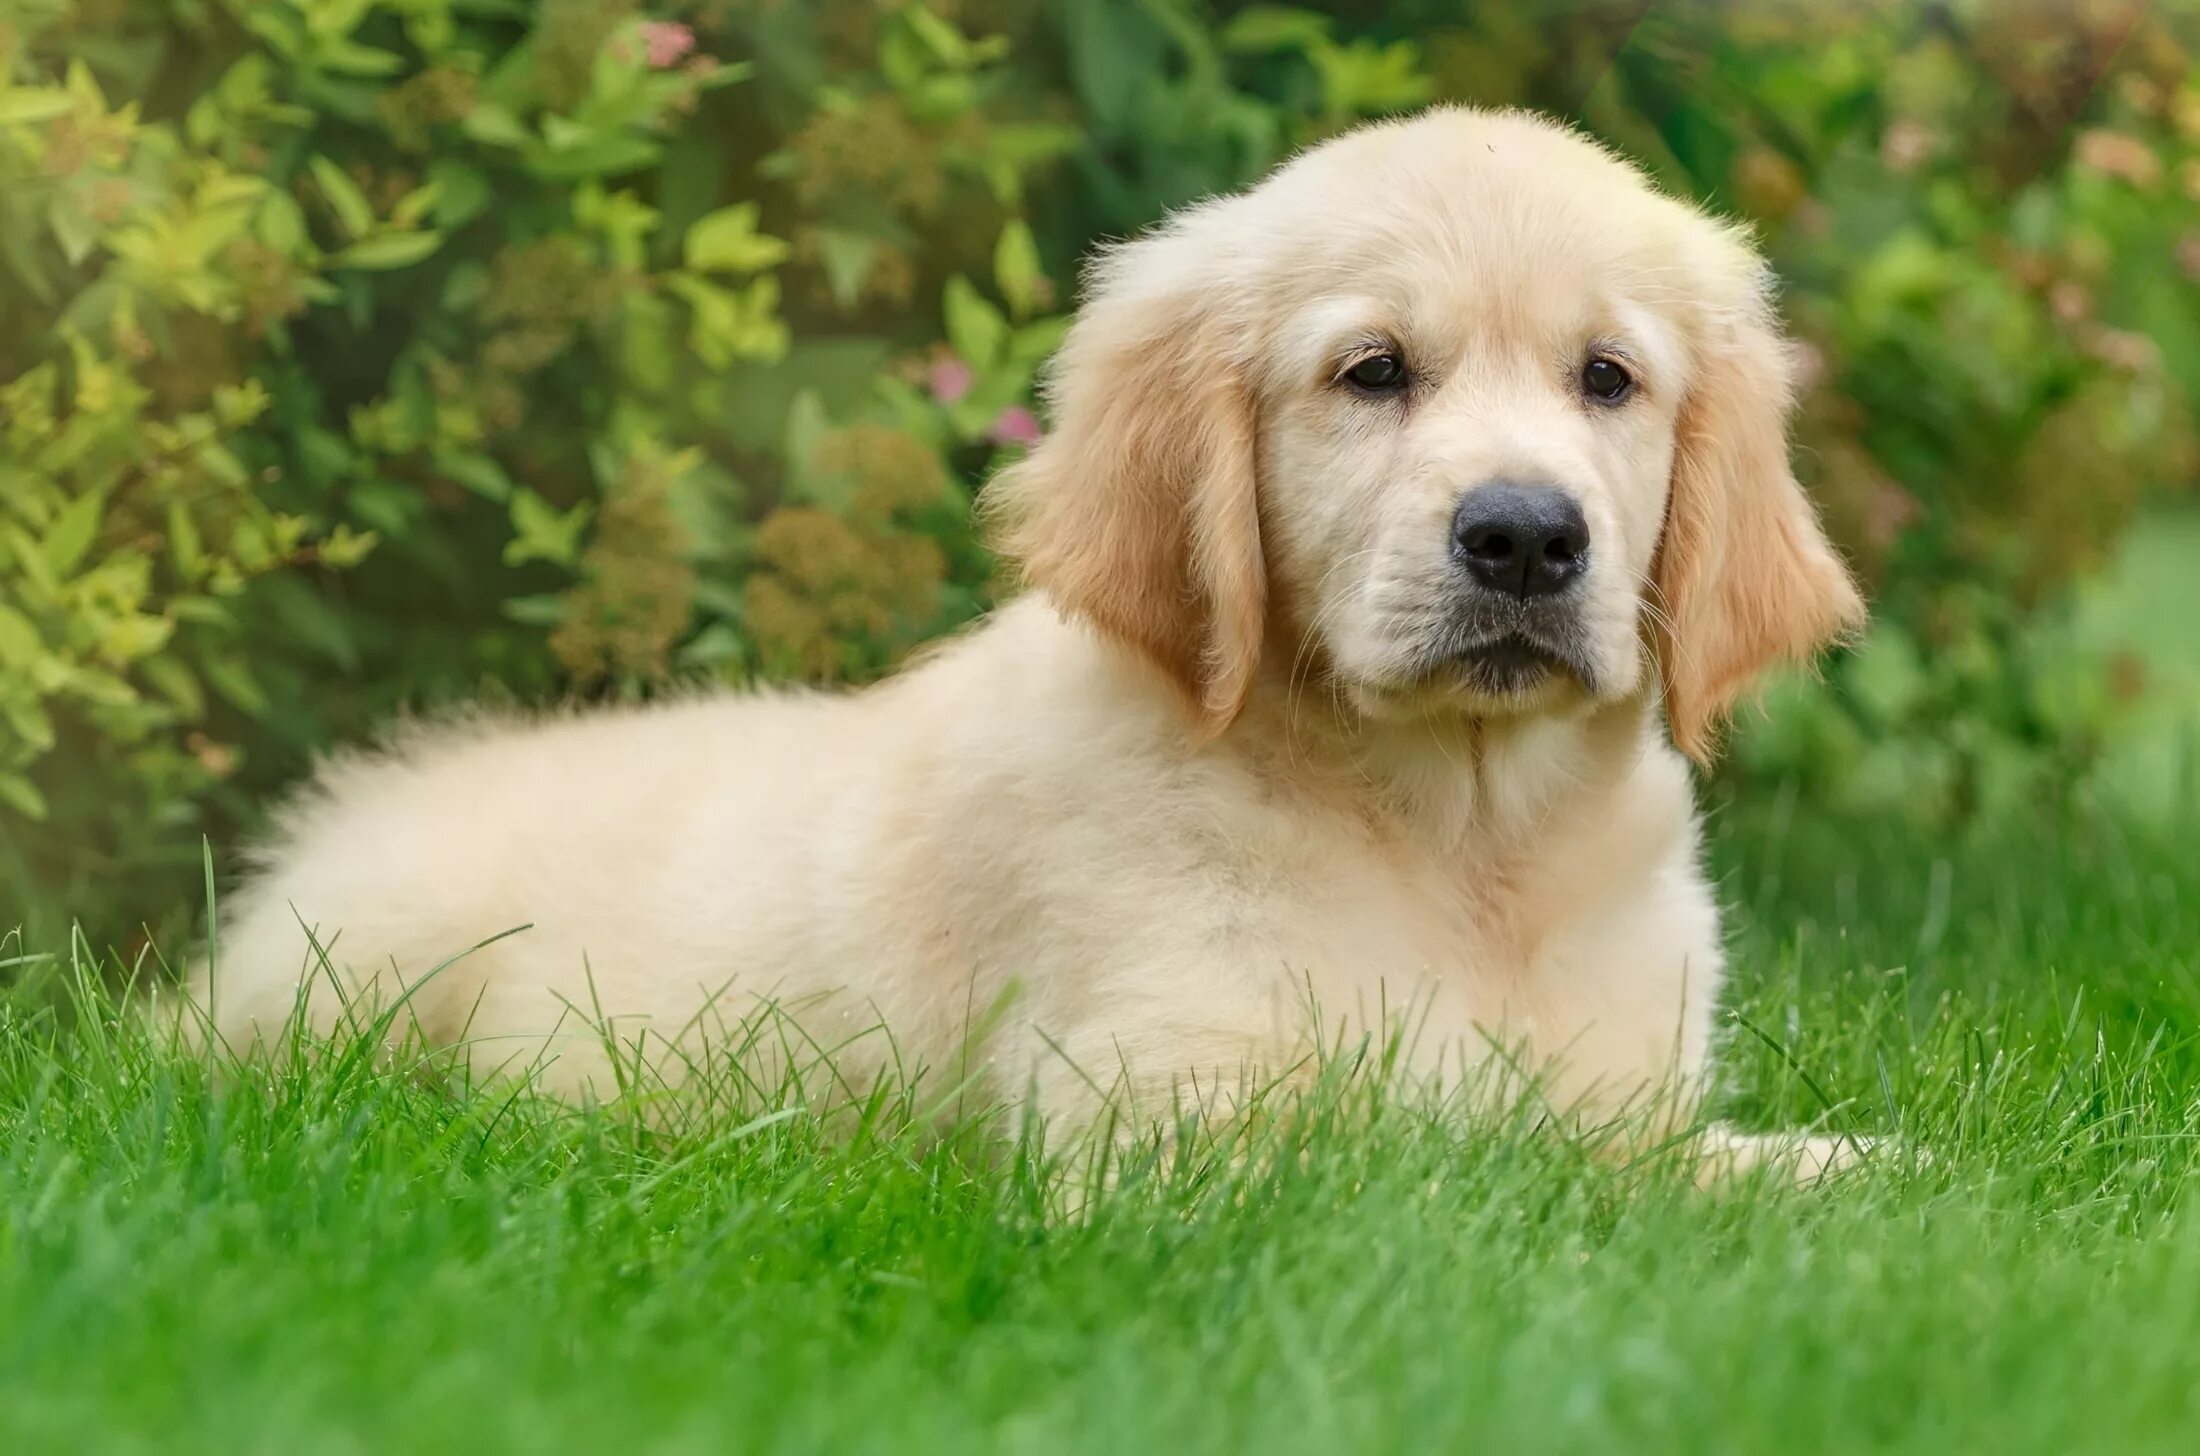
1511,659
1504,660
1513,663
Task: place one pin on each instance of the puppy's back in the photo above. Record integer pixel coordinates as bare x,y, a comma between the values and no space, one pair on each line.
596,844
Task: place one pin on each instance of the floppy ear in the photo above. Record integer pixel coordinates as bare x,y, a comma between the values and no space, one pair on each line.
1138,511
1744,574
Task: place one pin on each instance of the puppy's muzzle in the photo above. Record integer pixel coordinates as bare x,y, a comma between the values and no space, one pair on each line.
1521,551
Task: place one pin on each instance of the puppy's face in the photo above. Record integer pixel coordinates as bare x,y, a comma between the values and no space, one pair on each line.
1468,407
1457,413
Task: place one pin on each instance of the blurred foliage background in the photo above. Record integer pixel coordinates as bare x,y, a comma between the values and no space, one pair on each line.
358,354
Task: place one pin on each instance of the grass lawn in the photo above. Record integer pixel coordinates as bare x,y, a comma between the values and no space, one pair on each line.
345,1262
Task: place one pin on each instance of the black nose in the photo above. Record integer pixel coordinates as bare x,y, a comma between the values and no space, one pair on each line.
1524,540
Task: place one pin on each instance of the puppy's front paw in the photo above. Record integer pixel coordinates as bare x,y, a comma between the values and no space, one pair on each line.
1805,1157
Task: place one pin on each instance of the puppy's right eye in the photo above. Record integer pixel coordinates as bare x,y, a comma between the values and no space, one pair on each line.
1378,373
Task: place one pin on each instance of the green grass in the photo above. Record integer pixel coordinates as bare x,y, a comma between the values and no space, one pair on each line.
345,1261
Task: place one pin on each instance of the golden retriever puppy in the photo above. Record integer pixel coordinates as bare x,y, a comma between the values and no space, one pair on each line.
1401,516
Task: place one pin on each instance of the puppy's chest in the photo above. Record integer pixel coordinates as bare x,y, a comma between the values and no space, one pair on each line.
1361,916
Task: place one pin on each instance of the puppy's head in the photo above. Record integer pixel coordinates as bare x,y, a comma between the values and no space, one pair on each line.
1457,412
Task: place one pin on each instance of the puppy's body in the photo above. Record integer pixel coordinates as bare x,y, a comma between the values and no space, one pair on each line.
1013,842
1386,506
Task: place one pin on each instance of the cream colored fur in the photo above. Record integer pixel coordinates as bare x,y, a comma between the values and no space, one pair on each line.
1195,793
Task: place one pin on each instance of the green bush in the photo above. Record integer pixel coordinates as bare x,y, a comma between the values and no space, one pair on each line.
360,354
371,351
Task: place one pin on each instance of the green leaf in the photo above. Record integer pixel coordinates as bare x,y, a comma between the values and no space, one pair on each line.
1028,143
31,724
349,203
20,642
465,286
21,795
1261,28
74,229
725,325
24,105
546,610
281,224
205,611
184,542
71,535
1365,78
541,532
624,220
974,327
173,681
349,58
279,26
941,98
608,156
415,205
649,350
479,473
229,677
389,250
944,41
461,192
807,422
1035,341
716,645
564,134
95,685
727,241
1016,267
343,547
385,506
496,125
847,260
29,560
308,618
134,637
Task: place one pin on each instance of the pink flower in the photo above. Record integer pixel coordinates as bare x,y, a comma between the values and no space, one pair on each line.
2133,353
1908,145
666,42
2119,155
1016,426
950,379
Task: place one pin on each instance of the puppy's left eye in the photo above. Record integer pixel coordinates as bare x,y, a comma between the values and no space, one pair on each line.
1379,373
1606,380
